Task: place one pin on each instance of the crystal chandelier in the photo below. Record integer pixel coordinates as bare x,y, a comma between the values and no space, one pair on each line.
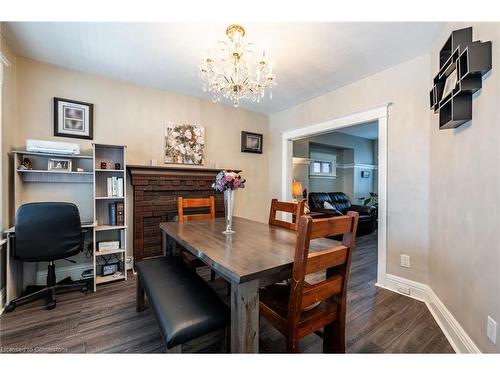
235,70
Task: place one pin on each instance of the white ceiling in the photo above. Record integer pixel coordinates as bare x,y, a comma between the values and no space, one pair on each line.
309,58
368,130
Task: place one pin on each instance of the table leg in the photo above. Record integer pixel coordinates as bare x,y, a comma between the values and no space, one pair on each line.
168,244
245,317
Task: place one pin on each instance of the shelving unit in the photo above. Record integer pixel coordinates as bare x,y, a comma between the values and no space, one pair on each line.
87,189
104,231
470,60
40,172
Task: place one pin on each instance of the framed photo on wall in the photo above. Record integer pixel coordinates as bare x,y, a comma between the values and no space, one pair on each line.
251,142
73,119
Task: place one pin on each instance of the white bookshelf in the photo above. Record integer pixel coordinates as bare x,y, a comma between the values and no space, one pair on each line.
104,230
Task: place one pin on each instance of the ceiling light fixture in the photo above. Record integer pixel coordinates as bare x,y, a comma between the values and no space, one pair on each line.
235,70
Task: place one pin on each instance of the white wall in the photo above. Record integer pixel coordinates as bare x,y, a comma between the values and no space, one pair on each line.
407,87
464,205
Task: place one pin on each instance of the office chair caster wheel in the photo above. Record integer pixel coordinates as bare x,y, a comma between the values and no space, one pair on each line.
10,307
84,289
51,305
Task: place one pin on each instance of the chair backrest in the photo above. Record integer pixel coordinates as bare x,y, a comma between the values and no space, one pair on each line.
193,203
297,209
335,260
47,231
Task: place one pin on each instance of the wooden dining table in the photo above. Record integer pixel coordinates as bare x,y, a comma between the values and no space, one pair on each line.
256,255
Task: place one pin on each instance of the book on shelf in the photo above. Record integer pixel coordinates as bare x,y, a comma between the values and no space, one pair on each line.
120,215
115,187
117,213
110,186
120,187
112,214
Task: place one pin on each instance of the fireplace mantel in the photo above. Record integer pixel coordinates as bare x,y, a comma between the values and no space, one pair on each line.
160,170
156,189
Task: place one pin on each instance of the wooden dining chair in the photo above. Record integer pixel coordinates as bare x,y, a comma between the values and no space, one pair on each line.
195,203
301,308
296,209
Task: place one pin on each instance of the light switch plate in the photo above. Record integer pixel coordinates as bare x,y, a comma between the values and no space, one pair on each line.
491,330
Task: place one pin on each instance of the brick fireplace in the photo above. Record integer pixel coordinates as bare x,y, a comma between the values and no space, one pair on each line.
155,200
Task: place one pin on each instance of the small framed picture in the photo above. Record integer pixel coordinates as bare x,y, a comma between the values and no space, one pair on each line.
73,119
251,142
365,174
60,165
450,84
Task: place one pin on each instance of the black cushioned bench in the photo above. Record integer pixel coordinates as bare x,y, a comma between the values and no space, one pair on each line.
187,310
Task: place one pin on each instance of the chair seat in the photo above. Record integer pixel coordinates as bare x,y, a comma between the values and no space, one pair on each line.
183,304
274,301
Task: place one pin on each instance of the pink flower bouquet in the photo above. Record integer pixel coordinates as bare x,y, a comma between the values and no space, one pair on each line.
228,180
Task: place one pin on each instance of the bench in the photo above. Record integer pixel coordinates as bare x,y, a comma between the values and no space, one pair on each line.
189,313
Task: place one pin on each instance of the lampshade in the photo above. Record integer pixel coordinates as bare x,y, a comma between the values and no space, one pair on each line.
296,188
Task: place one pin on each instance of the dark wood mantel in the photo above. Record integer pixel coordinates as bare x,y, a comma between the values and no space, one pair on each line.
156,189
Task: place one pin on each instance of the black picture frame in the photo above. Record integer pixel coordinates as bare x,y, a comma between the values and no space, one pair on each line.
247,138
87,119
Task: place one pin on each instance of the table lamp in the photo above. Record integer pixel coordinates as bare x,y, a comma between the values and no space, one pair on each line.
297,190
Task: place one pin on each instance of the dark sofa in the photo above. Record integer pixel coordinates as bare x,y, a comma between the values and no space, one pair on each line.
340,202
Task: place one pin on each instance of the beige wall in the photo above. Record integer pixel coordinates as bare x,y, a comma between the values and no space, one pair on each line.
464,206
8,132
135,116
407,86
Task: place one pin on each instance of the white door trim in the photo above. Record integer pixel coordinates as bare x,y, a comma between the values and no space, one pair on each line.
379,114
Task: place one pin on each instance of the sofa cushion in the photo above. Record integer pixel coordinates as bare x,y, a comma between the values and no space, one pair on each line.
340,201
316,200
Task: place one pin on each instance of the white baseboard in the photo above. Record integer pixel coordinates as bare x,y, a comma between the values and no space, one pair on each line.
456,335
398,284
74,271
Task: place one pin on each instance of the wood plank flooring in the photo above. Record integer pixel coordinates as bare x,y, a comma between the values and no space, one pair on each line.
379,321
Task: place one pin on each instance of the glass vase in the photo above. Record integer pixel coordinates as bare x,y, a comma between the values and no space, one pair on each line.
228,208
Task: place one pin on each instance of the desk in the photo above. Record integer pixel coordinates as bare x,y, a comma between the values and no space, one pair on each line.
256,255
16,272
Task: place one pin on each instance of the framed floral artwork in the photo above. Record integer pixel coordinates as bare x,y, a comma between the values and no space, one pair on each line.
184,144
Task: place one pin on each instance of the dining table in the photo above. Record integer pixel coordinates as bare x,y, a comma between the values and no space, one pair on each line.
255,255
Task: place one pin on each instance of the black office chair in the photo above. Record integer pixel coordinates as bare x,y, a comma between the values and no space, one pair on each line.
46,232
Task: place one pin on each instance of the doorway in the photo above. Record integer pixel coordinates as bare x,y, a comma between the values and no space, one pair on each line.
378,115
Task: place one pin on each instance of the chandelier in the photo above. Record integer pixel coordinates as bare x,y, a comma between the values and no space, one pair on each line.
235,70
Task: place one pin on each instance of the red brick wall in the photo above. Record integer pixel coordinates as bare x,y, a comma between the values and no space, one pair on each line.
155,200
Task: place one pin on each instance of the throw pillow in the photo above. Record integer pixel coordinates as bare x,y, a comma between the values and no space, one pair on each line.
328,206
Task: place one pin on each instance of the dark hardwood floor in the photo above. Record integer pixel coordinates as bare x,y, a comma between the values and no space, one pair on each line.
379,321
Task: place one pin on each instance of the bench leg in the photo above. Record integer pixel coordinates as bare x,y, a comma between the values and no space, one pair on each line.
139,297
